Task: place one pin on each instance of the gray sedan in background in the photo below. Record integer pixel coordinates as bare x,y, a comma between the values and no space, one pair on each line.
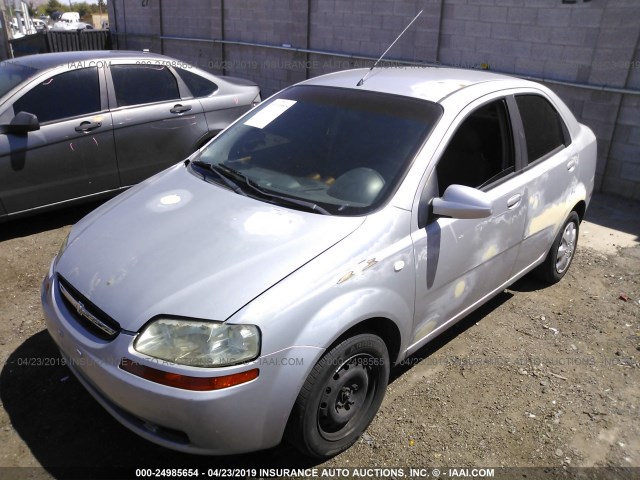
80,125
263,288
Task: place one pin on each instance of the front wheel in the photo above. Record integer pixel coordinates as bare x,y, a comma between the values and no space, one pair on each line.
562,251
340,397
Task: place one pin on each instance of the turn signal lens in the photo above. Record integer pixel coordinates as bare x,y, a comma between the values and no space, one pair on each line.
184,382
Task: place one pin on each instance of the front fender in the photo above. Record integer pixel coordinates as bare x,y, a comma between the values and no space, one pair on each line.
369,274
353,308
299,314
289,367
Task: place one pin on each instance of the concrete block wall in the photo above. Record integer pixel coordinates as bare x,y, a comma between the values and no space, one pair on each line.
135,27
589,44
368,27
622,173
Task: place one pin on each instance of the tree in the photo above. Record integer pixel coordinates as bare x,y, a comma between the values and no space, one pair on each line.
100,7
82,8
54,6
32,9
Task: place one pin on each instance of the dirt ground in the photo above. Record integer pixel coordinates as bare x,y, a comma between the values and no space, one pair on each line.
539,377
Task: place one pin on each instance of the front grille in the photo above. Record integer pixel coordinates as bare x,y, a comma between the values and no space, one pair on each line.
87,314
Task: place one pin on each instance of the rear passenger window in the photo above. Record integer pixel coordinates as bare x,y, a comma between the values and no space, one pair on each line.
69,94
543,127
140,84
199,86
480,151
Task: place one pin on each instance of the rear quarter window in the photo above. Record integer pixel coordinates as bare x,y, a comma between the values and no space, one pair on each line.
544,129
199,86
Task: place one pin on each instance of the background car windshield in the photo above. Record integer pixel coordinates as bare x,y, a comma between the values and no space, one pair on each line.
11,74
342,149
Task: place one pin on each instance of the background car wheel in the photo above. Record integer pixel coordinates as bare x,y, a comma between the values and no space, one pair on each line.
562,251
340,397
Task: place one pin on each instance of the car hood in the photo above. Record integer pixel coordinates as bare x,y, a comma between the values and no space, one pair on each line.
178,245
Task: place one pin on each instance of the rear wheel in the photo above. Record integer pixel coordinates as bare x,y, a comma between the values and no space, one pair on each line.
562,251
340,397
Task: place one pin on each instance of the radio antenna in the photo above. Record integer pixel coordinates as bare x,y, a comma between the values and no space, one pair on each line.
361,82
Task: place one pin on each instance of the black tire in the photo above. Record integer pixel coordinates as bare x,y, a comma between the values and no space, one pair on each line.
561,252
340,396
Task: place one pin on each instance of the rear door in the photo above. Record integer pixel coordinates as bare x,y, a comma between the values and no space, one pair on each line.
73,153
222,103
550,170
156,124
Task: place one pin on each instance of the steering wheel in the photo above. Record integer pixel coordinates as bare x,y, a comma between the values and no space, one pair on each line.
360,185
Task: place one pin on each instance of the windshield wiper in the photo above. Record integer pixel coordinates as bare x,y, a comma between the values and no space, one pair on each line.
292,201
223,176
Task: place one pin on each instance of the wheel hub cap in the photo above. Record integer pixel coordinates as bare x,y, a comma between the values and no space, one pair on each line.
566,247
344,398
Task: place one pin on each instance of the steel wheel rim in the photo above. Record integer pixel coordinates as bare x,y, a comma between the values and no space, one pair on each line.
567,247
347,396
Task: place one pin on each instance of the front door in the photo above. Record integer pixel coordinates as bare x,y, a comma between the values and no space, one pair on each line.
461,262
72,154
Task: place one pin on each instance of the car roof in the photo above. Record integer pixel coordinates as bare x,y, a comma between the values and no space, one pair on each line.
43,61
427,83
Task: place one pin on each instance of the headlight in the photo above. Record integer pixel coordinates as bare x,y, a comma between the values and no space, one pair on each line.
199,343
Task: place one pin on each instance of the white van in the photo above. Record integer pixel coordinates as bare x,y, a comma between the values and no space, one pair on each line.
69,21
70,17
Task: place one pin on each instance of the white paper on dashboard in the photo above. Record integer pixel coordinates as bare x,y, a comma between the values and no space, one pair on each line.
269,113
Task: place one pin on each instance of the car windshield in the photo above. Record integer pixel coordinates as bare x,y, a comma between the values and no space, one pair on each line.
343,151
11,74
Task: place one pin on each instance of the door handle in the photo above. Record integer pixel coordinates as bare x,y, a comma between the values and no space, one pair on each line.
180,108
514,201
88,126
571,164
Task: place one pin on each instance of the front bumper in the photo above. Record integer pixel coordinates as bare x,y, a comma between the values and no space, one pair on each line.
247,417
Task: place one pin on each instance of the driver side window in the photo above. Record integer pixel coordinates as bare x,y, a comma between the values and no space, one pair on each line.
480,151
66,95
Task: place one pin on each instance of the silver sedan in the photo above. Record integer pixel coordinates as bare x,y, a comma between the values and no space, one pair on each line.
263,288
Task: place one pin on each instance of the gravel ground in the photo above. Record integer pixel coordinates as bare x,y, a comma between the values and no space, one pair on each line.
539,377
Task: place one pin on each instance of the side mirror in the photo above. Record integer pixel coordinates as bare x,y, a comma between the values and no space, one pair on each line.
459,201
22,123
